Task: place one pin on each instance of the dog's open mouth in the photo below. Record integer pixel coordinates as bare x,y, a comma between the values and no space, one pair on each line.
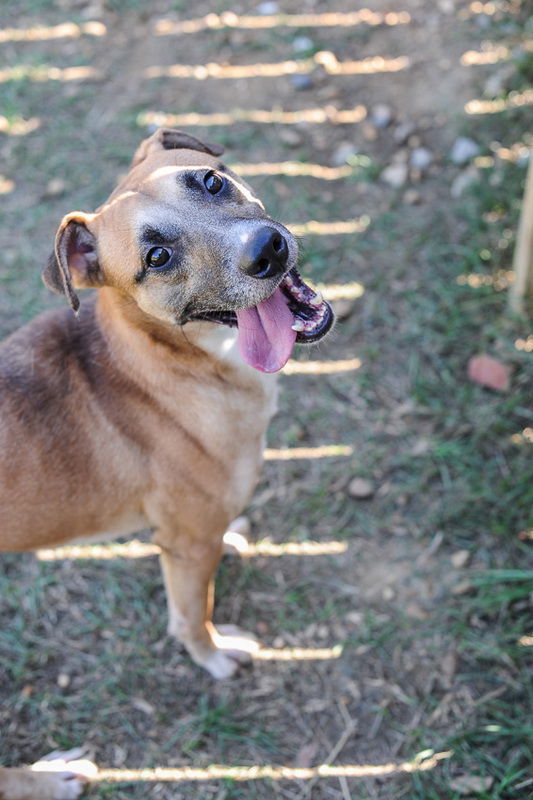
269,330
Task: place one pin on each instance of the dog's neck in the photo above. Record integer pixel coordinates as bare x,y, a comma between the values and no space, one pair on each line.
131,330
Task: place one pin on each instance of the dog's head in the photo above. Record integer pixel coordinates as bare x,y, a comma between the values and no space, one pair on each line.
188,239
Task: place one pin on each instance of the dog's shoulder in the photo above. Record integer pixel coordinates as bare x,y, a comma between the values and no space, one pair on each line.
38,359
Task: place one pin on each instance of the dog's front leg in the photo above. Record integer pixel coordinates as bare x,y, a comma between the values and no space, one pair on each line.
188,569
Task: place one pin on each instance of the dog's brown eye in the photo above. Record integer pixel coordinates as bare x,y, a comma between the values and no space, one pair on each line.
157,257
213,182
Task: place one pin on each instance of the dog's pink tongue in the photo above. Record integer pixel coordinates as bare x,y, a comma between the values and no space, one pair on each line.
266,337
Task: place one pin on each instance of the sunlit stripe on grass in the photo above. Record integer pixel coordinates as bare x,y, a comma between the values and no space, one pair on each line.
524,436
228,19
500,281
488,9
321,367
514,100
298,653
525,344
6,185
294,169
315,228
47,73
490,55
17,126
265,547
41,33
327,59
272,772
341,291
317,115
136,549
297,453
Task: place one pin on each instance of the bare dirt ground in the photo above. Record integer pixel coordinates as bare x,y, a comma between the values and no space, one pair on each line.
382,651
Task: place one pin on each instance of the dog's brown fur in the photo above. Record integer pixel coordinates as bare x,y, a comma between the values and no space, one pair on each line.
123,417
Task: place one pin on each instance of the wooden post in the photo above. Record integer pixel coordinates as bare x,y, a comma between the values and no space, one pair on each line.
522,288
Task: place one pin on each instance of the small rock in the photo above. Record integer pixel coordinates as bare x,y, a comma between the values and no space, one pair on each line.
267,8
464,181
316,704
342,153
388,593
448,668
55,187
395,175
415,175
369,132
63,680
399,530
143,705
489,372
464,150
291,137
462,587
447,6
401,156
329,92
355,618
460,558
415,611
381,115
361,488
342,308
421,158
301,82
403,131
301,44
412,197
471,784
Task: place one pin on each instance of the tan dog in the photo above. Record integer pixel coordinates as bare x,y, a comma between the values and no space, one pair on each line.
148,409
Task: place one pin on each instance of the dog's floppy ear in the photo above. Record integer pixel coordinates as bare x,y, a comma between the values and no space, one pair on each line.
74,262
171,139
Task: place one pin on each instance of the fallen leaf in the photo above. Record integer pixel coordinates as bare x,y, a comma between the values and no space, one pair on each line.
489,372
306,754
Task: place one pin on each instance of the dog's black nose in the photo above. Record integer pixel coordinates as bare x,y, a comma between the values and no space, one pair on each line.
265,253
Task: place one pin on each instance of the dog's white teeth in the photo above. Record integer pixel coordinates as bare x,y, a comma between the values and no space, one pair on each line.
299,325
317,300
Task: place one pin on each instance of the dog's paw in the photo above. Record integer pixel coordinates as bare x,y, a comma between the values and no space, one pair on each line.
57,785
62,775
233,648
236,538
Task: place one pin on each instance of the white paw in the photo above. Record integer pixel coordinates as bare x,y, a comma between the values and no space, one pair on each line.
62,776
233,647
237,536
69,786
58,785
